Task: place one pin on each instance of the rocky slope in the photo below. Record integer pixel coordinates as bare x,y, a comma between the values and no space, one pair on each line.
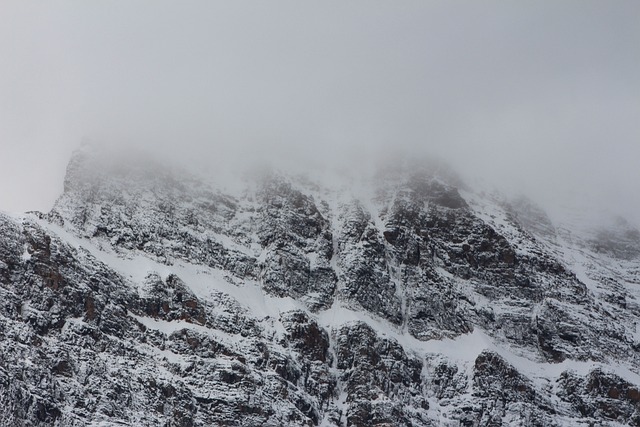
147,298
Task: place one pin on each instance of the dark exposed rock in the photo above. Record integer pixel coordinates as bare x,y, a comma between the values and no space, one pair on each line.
363,262
290,227
380,379
602,395
306,336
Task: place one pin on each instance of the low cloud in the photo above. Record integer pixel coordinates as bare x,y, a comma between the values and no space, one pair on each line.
544,97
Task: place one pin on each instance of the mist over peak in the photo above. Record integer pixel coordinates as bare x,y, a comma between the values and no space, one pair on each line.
542,98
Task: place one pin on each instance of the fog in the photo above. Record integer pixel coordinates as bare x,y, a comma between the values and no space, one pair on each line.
538,96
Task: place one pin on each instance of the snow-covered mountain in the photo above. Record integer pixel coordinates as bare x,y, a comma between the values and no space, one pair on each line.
151,298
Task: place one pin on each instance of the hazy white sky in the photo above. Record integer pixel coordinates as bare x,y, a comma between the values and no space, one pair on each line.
545,94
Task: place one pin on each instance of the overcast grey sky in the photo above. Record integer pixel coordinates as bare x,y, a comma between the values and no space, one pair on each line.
545,94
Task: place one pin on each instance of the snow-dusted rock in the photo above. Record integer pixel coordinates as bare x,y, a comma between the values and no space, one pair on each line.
148,297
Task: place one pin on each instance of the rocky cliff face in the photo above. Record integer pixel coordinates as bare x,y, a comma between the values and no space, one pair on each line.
147,298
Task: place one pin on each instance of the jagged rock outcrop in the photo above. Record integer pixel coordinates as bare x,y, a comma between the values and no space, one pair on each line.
147,297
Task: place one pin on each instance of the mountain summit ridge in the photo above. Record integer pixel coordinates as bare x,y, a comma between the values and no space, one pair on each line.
407,298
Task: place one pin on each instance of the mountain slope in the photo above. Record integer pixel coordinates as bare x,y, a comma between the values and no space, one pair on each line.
146,297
